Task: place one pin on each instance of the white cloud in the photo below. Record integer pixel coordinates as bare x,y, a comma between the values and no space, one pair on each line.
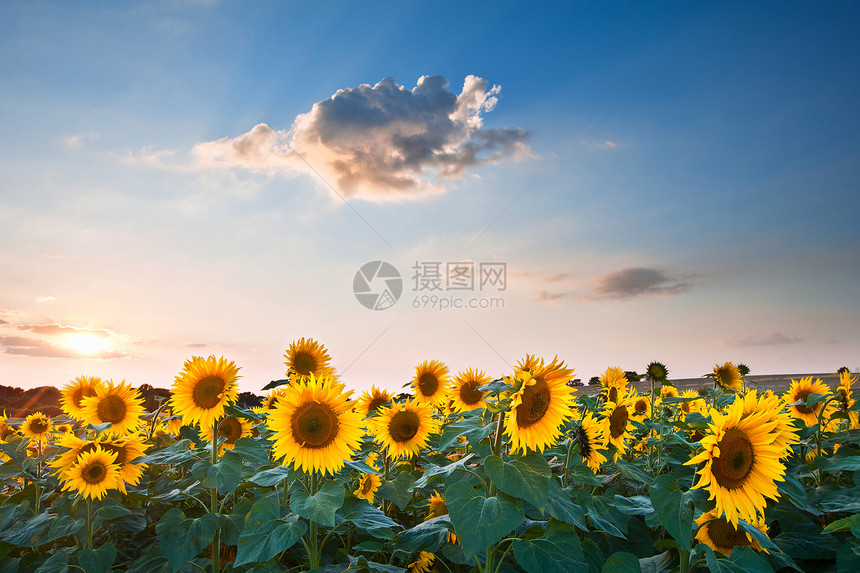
41,299
75,142
768,339
379,142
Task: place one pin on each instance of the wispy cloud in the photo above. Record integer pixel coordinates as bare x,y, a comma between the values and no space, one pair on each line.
57,329
551,297
41,299
769,339
75,142
631,282
379,142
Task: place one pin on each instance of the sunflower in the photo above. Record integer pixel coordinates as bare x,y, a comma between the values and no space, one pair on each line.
740,462
403,429
314,425
230,429
5,429
617,425
63,429
773,408
591,437
203,388
541,403
117,404
369,402
720,535
94,474
307,356
695,404
436,507
640,407
423,563
528,364
728,376
466,395
431,383
270,399
799,391
37,427
656,371
367,486
846,399
75,391
126,450
614,383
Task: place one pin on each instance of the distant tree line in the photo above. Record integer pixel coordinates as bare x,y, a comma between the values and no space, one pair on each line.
19,403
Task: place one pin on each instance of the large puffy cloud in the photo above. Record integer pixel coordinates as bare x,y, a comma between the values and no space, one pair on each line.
379,142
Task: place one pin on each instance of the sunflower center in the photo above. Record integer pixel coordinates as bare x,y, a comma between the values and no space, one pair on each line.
314,425
80,393
724,534
404,426
535,403
111,409
94,473
736,460
618,421
801,396
207,392
641,406
438,508
376,403
230,428
121,452
304,364
38,426
613,394
366,485
470,394
685,406
428,383
584,444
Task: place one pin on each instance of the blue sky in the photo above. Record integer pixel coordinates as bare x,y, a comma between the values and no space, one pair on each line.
674,182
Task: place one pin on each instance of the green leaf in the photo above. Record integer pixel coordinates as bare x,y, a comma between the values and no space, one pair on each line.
362,467
480,521
97,560
749,561
150,561
109,510
848,463
273,476
265,534
57,563
226,475
670,503
361,563
10,511
433,471
557,550
657,563
182,538
636,505
715,564
583,475
30,533
369,518
631,472
276,383
428,535
472,427
562,508
64,526
848,557
601,517
757,534
398,490
251,452
496,386
321,506
174,454
524,477
621,562
851,523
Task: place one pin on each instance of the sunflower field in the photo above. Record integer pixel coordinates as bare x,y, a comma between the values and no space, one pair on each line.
461,473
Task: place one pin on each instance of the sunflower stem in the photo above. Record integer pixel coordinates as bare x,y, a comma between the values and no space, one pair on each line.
89,523
216,542
314,554
565,477
497,443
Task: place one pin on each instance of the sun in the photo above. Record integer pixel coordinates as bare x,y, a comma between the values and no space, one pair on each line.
85,343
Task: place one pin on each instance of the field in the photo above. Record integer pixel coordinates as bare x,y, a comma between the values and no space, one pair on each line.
467,474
